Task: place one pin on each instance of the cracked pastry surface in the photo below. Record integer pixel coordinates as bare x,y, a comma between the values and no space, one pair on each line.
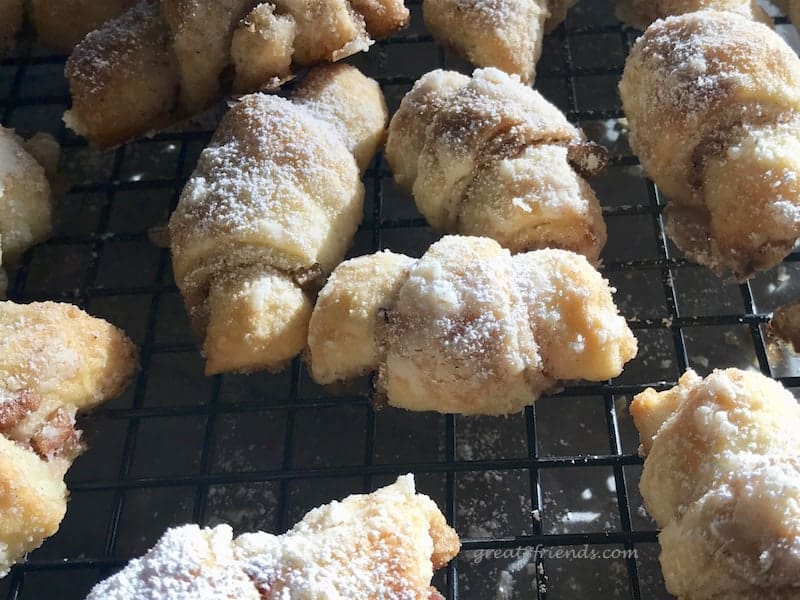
164,60
489,156
468,328
380,546
722,479
55,360
270,209
506,34
713,103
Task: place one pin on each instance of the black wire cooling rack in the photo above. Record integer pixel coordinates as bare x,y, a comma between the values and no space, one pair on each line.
259,451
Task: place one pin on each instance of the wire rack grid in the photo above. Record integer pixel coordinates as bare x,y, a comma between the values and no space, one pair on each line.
259,451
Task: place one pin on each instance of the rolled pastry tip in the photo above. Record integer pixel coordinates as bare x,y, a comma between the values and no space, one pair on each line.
505,34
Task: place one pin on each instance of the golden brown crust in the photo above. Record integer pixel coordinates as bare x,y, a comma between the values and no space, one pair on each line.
61,24
713,103
327,30
33,501
344,328
123,78
489,156
640,13
785,324
271,208
468,328
258,319
383,17
720,477
506,34
55,360
63,355
164,60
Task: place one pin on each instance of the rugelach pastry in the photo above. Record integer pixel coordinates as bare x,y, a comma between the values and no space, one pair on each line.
489,156
26,197
269,211
380,546
55,361
165,60
722,479
468,328
713,104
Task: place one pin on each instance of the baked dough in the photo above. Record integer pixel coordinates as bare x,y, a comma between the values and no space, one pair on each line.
271,208
713,103
785,324
640,13
60,24
506,34
164,60
722,479
372,547
10,21
55,360
489,156
467,328
26,199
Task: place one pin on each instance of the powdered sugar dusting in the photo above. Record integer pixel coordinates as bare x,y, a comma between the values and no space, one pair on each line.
276,187
695,75
188,562
477,331
54,361
713,102
490,156
383,545
723,473
182,49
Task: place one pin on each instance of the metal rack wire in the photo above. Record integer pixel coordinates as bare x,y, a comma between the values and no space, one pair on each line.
259,451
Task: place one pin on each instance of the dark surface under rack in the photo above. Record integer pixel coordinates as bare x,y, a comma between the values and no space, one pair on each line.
258,451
